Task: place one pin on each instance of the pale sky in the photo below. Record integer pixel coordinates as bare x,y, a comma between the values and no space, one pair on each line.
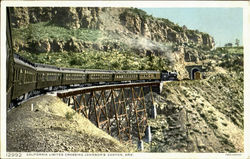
224,24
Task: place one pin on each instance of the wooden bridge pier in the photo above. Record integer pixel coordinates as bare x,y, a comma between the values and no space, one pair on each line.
119,109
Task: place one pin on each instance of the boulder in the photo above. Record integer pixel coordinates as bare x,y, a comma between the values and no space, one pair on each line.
74,45
19,17
66,17
42,46
172,35
57,46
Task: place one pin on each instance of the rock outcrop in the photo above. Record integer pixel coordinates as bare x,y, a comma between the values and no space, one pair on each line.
20,17
127,21
75,29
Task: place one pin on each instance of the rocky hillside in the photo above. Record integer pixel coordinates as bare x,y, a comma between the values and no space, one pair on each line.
203,115
127,21
40,34
200,117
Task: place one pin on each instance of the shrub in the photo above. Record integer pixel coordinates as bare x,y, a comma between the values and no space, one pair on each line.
42,30
69,115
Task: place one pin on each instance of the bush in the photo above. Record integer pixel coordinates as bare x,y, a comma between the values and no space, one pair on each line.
142,14
42,30
76,61
92,59
69,115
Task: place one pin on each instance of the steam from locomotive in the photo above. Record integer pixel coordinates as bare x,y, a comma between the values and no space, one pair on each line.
25,78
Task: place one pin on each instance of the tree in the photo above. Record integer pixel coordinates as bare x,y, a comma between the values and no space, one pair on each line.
184,27
228,45
151,61
237,42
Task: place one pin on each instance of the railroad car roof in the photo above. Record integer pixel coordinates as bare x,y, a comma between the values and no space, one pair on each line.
98,70
22,61
72,69
44,67
51,68
137,71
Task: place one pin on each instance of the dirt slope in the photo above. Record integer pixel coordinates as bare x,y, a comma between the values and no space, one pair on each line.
54,127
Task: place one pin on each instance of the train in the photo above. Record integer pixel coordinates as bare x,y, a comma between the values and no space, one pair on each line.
25,78
28,77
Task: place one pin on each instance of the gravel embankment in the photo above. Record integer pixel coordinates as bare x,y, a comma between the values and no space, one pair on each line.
47,129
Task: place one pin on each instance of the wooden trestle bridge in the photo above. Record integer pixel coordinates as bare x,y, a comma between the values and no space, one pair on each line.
118,109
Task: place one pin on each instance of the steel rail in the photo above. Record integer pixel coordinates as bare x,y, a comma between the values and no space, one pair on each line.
71,92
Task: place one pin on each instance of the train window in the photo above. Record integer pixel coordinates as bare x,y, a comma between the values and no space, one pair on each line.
42,76
67,76
16,74
23,76
26,77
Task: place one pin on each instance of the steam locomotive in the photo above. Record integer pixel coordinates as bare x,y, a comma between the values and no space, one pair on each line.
24,78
